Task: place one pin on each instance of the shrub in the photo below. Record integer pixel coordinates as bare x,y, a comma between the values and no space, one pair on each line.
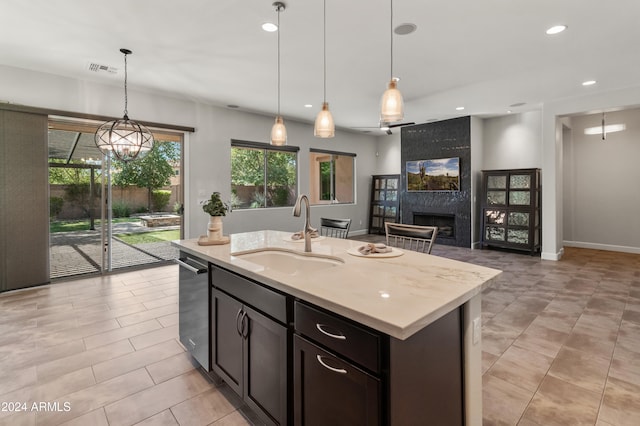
55,206
160,198
121,210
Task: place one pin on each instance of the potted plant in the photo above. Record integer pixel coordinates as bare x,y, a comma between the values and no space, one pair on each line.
216,208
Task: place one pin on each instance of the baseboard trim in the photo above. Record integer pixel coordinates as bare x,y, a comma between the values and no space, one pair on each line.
598,246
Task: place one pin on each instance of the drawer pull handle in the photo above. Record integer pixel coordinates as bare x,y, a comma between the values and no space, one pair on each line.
238,322
328,367
335,336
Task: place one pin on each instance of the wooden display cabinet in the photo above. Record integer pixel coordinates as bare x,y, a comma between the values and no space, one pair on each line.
511,209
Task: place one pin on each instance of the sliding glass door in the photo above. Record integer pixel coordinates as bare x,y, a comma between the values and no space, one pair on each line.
104,214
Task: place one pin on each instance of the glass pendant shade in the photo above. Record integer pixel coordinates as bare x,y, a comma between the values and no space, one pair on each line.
126,139
392,105
324,128
278,133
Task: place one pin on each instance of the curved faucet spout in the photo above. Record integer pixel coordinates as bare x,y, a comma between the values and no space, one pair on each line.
307,221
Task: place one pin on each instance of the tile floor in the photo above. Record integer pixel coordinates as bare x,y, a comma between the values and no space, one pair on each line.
561,346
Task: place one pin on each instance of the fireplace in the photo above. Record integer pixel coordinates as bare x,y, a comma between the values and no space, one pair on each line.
446,223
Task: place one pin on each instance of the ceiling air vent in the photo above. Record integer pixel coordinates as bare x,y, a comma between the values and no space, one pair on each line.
102,68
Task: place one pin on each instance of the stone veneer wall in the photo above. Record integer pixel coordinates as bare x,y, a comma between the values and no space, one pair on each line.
442,139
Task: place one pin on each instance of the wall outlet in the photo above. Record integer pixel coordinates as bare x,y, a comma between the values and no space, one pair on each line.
477,329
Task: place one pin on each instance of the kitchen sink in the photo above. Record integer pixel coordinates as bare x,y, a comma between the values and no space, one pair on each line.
290,262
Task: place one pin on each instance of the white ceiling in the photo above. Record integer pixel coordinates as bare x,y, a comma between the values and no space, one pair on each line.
484,55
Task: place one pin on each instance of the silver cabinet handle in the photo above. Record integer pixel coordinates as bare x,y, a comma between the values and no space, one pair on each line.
326,333
328,367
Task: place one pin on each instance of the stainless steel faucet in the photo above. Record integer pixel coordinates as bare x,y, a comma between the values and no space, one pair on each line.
308,230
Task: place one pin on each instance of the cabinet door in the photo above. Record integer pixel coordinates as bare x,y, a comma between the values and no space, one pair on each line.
331,391
226,340
265,366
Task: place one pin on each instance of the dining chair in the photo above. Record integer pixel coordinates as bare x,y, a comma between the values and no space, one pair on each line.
337,228
411,237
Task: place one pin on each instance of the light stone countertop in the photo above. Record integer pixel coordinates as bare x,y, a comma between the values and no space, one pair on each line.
396,295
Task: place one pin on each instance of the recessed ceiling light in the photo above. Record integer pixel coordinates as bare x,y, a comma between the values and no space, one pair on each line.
269,27
459,108
589,83
556,29
404,29
308,106
508,111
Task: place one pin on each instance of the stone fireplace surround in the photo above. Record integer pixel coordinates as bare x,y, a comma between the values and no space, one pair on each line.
449,210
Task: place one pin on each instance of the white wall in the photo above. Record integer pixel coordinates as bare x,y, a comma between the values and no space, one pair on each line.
207,150
388,154
601,197
513,141
553,133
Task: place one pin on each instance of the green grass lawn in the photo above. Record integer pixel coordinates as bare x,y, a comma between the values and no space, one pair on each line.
150,237
82,225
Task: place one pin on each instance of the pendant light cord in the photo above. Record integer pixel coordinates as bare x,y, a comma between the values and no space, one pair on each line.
391,32
324,50
279,7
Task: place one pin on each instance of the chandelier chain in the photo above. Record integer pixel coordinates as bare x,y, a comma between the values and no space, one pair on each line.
125,85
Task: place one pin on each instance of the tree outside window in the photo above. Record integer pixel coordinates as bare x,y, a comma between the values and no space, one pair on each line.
262,177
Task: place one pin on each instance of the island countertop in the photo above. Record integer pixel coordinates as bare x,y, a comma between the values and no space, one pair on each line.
394,295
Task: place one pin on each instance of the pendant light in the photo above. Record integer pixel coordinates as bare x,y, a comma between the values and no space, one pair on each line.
278,131
324,127
392,105
124,138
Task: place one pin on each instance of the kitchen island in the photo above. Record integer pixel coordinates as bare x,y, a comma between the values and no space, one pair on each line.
400,335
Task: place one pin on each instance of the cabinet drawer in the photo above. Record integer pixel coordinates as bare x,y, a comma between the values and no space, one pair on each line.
268,301
340,335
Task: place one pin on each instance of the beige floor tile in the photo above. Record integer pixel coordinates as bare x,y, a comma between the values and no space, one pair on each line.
502,402
522,368
625,365
98,396
205,408
31,356
164,418
559,403
22,418
168,320
154,337
77,333
233,419
595,341
134,360
488,359
162,301
172,367
496,337
93,418
158,398
52,369
621,404
64,385
147,315
13,379
121,333
557,320
580,369
541,339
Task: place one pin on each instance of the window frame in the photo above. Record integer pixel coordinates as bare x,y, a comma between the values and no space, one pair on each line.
266,148
316,180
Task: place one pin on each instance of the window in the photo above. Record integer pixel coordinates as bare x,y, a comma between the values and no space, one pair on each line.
331,175
262,175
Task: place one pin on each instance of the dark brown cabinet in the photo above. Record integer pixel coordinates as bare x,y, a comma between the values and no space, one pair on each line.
511,209
385,202
249,349
347,374
332,391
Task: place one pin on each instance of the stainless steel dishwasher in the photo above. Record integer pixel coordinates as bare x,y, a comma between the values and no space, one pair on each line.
194,318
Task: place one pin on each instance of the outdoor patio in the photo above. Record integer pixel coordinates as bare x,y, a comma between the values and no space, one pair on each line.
80,252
